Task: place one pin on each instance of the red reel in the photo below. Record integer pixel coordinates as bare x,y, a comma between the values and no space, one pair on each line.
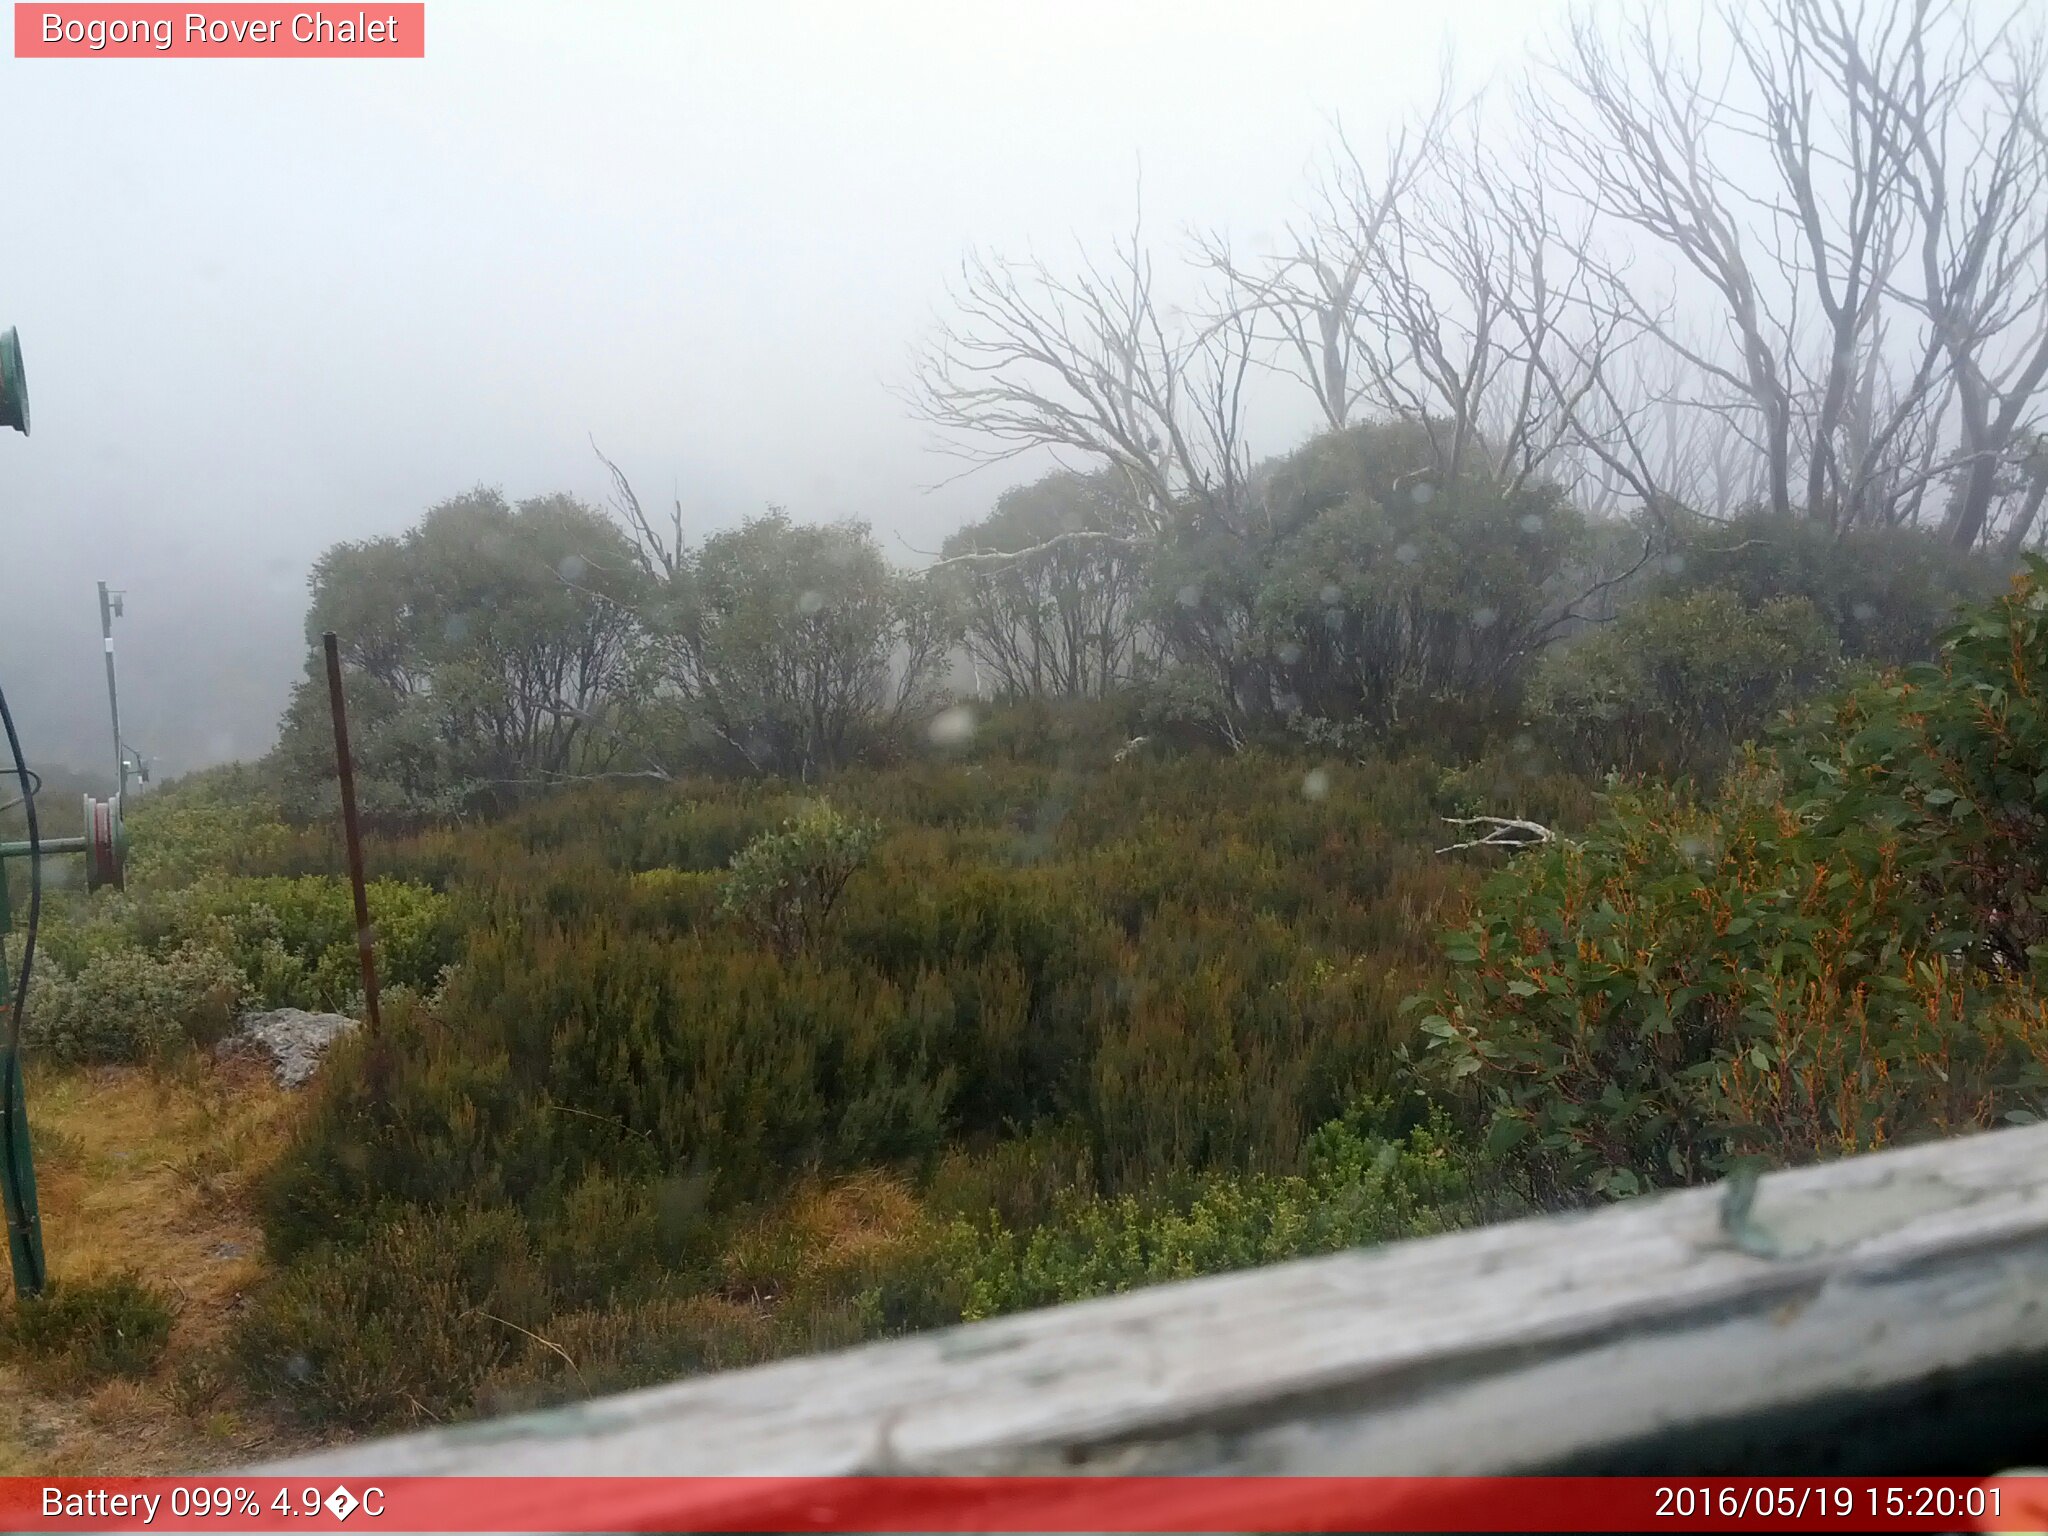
106,843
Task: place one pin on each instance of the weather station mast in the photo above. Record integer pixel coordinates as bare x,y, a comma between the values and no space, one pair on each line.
104,845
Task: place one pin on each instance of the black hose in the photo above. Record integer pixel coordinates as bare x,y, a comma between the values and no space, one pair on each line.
12,1135
35,789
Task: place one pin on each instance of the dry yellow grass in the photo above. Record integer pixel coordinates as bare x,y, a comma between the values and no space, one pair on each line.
824,1228
149,1172
862,1214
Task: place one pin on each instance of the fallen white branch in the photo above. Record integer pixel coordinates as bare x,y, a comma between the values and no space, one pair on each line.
1507,832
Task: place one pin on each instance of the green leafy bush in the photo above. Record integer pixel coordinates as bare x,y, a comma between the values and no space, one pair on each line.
1676,683
131,1005
220,821
784,884
1357,1188
294,938
83,1331
1044,985
1888,594
1840,950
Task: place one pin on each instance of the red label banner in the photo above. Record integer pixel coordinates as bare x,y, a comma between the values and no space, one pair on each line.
240,31
1053,1504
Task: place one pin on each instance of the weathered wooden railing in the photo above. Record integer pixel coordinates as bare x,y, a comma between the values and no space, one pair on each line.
1886,1313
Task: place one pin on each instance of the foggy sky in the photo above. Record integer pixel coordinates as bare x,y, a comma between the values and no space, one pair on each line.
267,305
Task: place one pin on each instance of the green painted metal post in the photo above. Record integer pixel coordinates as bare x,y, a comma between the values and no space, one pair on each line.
17,1158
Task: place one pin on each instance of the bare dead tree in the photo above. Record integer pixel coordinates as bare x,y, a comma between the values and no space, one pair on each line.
1638,126
1094,364
1309,301
2034,469
1961,117
1646,439
661,552
1880,307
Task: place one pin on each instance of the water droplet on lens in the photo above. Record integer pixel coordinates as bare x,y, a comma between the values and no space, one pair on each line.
953,727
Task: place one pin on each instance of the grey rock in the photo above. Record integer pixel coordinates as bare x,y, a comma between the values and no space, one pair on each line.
292,1038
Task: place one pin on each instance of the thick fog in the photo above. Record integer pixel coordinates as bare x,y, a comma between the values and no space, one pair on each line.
269,305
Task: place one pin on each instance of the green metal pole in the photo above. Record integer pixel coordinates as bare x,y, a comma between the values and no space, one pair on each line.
17,1158
17,1161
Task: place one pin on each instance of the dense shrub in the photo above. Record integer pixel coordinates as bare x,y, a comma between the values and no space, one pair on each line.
129,974
784,884
1059,619
1356,1188
796,649
489,648
131,1005
295,938
82,1331
1887,593
638,1344
405,1324
1047,987
1074,1028
1371,589
222,821
1839,951
1676,683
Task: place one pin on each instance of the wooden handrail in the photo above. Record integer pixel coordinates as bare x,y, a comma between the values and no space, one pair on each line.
1848,1305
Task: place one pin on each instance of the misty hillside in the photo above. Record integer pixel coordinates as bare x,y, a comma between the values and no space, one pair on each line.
987,663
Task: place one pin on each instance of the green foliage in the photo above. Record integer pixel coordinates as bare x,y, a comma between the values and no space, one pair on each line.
797,649
1060,619
1887,593
784,885
1356,1188
79,1332
1676,683
1046,984
662,1087
294,938
222,820
1191,705
1372,590
138,975
131,1005
406,1324
489,648
1837,952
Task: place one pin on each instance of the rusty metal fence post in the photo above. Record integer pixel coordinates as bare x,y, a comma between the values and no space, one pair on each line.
364,937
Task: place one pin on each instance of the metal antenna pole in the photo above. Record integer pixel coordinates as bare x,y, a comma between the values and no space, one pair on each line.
110,604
